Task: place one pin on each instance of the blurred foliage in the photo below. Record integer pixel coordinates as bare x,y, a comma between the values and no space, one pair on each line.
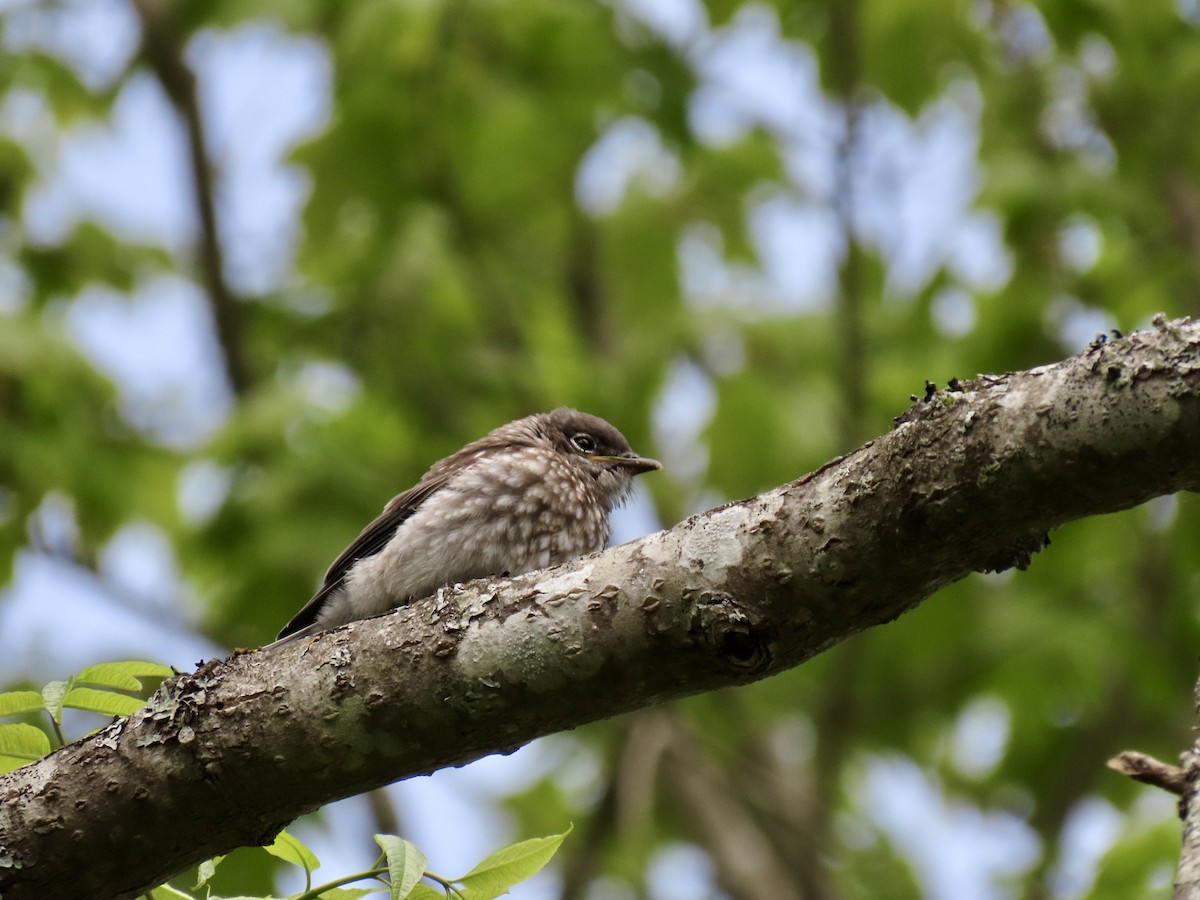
449,273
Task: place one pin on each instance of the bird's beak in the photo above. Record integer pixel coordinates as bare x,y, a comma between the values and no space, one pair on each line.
637,464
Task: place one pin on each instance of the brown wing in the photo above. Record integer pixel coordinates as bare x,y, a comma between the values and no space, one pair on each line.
370,541
376,535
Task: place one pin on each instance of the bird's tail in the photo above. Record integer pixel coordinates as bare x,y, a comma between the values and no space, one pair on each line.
306,631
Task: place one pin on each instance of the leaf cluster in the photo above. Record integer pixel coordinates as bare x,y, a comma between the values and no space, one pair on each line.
109,689
400,869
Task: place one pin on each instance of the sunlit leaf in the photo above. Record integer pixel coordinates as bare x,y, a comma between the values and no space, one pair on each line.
14,702
123,676
292,850
510,865
105,702
21,743
405,862
206,870
53,695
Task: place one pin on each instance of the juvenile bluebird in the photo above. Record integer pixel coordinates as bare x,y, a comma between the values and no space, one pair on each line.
533,493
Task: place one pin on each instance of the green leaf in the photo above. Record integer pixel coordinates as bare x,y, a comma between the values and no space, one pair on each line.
20,744
510,865
406,864
347,893
427,892
52,697
123,676
292,850
14,702
205,871
105,702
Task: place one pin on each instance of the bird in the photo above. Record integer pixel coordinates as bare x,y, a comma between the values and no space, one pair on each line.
530,494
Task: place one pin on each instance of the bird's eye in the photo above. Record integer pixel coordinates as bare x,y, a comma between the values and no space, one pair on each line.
584,442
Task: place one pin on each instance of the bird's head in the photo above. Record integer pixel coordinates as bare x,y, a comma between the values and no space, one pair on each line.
597,450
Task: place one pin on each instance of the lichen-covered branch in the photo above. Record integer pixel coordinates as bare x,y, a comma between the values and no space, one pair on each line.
973,479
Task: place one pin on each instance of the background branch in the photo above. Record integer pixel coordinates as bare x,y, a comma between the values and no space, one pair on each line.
163,49
746,863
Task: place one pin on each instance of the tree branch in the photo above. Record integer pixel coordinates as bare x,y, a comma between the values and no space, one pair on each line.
970,481
1187,874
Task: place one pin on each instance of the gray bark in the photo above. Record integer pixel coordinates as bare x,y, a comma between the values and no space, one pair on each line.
1187,875
972,480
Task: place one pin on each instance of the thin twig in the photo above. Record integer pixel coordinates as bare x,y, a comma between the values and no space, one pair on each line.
1148,770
